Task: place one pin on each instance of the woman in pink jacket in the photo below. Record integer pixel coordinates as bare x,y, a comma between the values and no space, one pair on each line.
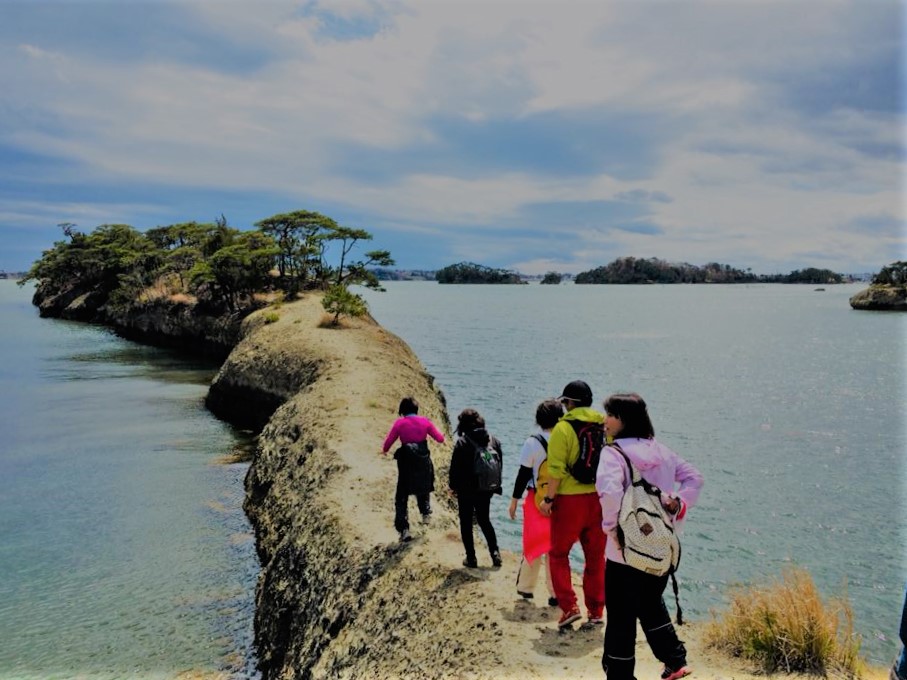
415,471
631,594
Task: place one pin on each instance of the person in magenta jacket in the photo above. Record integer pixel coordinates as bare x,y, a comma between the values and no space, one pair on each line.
631,594
415,471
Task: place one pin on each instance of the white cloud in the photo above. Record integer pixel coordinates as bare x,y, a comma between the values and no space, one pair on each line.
749,173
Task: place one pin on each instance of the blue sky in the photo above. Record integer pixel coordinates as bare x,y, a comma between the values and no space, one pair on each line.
529,135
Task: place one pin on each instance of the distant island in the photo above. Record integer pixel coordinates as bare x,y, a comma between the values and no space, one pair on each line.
469,272
888,291
631,270
623,270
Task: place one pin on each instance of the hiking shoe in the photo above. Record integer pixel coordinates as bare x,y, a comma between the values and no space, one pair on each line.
525,596
569,617
682,672
595,620
470,563
552,601
426,518
405,536
496,558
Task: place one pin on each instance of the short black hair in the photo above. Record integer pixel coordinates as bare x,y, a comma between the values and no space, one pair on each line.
631,409
548,413
408,406
469,420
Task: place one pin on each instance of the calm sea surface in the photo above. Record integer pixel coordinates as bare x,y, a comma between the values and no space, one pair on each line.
791,403
124,551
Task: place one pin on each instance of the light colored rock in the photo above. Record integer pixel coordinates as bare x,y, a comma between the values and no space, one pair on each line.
882,298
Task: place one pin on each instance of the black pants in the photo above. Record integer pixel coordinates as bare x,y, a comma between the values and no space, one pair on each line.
401,503
631,594
478,504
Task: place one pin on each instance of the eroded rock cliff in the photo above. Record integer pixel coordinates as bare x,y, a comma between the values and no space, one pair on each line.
881,298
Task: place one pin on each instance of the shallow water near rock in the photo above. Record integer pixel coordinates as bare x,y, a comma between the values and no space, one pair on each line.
790,402
125,550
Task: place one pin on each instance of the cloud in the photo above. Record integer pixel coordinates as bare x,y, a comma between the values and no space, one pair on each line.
750,133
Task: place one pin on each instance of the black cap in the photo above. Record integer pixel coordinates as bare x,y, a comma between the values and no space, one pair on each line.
579,392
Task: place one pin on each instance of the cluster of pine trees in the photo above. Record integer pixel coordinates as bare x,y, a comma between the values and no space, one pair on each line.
219,267
654,270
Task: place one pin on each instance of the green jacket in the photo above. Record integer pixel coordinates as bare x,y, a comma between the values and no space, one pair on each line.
563,450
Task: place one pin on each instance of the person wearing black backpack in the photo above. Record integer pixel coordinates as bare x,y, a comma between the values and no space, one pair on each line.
572,504
473,480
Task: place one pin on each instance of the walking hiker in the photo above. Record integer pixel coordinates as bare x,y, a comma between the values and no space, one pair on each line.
472,485
573,504
632,594
536,527
415,470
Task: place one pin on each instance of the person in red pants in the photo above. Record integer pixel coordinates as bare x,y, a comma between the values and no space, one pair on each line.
575,511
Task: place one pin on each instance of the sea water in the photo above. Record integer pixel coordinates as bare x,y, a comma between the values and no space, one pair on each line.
124,551
791,404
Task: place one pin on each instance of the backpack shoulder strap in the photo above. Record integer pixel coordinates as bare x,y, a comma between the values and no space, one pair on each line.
541,440
634,473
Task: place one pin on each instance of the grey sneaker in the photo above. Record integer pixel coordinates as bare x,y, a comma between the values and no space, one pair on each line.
405,536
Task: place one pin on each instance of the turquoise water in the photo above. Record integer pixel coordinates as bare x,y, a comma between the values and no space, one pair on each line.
124,551
791,404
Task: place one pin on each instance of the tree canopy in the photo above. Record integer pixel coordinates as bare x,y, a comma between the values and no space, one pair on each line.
631,270
894,274
220,266
469,272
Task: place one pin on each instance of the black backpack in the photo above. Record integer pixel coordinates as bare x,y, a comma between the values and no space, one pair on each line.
591,438
487,466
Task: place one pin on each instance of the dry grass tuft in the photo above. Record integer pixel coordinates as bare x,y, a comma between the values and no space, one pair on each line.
328,321
167,287
785,626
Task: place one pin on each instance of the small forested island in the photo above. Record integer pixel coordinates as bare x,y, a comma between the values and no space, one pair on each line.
192,283
632,270
469,272
887,292
552,278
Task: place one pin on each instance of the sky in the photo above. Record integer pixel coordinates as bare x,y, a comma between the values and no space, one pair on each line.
535,136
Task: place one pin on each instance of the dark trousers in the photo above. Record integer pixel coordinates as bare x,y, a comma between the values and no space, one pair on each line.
631,594
401,507
478,504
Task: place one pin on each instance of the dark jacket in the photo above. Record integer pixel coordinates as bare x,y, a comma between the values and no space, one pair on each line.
415,468
462,477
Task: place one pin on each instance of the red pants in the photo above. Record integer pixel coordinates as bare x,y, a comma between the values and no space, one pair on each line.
578,518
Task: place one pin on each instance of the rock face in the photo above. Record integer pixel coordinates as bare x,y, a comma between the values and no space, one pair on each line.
338,595
158,322
886,298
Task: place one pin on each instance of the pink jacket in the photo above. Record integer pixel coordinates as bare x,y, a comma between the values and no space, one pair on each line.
411,429
658,465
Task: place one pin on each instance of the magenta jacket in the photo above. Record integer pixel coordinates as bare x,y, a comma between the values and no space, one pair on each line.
411,429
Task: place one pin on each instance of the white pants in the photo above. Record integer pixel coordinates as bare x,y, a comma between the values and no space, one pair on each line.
528,575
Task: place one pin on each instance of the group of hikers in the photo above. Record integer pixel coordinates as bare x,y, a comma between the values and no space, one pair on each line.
586,477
